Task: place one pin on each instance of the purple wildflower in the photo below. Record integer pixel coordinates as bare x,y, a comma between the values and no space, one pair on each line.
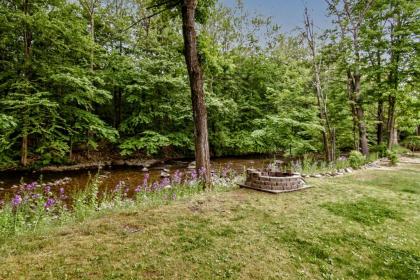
31,186
49,203
62,195
47,189
16,200
1,203
193,175
202,171
119,186
165,182
137,189
155,186
126,191
174,196
225,171
36,196
145,180
177,177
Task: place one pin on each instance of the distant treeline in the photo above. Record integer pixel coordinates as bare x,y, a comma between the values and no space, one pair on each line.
102,75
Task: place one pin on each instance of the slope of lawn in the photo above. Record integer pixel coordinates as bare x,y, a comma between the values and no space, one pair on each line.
365,225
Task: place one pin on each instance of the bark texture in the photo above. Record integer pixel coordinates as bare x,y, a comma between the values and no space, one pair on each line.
27,72
195,73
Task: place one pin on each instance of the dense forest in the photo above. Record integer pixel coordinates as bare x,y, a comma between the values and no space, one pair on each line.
82,79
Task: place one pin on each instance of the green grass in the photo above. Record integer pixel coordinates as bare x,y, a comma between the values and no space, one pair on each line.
365,225
368,211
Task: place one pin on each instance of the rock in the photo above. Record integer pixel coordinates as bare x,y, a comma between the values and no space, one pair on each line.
166,170
348,170
1,182
296,174
164,174
316,176
1,189
145,169
167,187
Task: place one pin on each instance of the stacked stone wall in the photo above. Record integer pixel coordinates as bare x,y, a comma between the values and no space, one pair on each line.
273,180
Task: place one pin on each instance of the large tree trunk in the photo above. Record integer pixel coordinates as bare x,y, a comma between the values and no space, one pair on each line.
392,132
202,151
27,50
357,110
360,117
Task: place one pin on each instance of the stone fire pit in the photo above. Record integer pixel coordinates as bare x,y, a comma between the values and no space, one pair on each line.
273,181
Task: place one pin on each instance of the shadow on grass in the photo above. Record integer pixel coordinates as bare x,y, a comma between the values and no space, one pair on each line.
355,255
401,180
367,211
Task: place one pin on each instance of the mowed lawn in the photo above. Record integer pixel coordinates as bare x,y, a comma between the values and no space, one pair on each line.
365,225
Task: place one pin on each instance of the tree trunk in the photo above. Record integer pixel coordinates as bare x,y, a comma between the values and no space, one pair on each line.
360,116
202,151
362,132
357,110
322,103
92,34
380,110
393,80
27,74
24,150
117,107
380,120
392,135
326,133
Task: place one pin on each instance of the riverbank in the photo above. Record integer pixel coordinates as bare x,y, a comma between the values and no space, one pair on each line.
359,225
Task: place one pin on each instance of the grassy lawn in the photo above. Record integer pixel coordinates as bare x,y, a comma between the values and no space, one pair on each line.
365,225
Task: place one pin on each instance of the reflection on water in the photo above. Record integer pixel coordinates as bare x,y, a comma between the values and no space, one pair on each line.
131,176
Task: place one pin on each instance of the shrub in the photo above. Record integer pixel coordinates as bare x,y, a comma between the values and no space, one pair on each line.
412,143
400,150
380,149
356,159
392,156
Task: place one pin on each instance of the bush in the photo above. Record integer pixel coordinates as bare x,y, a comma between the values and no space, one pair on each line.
412,143
399,150
356,159
392,156
380,149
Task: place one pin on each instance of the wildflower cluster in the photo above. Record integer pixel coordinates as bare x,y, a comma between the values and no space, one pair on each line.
30,204
35,203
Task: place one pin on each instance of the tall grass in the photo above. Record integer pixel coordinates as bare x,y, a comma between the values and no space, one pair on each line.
310,165
36,205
